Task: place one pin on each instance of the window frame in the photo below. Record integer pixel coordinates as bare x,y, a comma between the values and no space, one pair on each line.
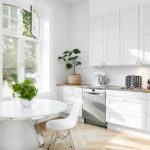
21,48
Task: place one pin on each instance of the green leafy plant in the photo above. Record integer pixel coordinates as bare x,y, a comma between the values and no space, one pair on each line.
25,90
27,22
71,59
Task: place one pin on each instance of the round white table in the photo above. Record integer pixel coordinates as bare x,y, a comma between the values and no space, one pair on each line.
16,126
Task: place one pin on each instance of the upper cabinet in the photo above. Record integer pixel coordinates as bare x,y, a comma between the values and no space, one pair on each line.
111,38
121,37
144,18
129,36
96,40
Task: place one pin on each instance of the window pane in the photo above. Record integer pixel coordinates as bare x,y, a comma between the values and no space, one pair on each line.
31,69
14,12
10,46
27,24
5,22
13,25
12,21
6,10
35,24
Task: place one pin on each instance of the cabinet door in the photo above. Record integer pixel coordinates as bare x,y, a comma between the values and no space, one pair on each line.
111,38
70,95
133,105
148,111
129,35
126,119
145,33
96,40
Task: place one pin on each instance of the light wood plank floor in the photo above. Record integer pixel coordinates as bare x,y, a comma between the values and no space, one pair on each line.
88,137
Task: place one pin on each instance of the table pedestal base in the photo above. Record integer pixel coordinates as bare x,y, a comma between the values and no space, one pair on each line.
18,135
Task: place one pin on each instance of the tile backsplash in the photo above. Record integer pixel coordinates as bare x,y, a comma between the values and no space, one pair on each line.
115,74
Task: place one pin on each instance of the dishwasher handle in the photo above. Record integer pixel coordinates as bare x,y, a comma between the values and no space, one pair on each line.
92,93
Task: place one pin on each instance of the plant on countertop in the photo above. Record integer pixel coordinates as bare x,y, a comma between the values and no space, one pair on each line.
71,59
25,90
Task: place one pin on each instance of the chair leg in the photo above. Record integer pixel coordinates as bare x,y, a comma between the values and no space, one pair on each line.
53,140
39,129
71,140
56,136
54,143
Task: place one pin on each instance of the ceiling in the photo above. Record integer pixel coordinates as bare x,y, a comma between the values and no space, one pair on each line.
72,2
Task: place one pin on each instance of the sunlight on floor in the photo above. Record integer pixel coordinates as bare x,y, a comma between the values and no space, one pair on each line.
88,137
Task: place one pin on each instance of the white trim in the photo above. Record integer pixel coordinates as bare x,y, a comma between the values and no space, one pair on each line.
52,71
135,132
18,3
1,33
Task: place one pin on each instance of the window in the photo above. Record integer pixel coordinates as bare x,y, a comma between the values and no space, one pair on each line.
31,61
10,48
35,24
11,18
20,47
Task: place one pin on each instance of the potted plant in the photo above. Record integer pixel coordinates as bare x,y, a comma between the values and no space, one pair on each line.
71,60
26,91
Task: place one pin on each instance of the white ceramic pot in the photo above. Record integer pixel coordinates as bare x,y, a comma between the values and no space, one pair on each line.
26,103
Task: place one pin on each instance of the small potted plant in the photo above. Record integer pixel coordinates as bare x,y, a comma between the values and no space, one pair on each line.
26,91
71,60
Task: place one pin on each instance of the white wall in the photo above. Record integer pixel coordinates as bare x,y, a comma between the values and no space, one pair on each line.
79,35
79,38
60,39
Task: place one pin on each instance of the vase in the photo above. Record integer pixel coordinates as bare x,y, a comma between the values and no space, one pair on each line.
74,79
25,103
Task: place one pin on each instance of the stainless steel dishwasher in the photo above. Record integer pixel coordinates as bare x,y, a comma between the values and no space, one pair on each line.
94,106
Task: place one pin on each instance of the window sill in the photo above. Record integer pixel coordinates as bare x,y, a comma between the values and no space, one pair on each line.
45,95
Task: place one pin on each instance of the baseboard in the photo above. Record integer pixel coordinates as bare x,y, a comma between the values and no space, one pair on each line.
135,132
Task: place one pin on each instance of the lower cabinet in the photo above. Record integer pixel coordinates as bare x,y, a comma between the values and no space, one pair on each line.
148,112
137,121
148,122
70,95
127,109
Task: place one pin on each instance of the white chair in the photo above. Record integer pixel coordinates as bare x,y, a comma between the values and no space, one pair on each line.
64,125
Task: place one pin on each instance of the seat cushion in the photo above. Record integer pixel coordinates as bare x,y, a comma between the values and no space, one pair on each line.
60,124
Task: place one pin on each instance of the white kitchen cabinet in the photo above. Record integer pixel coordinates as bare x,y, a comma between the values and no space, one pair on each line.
126,94
144,20
126,119
111,38
70,95
96,54
126,108
121,37
129,35
135,105
148,111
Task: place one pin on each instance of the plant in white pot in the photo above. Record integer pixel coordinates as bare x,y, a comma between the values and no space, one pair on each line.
71,60
26,91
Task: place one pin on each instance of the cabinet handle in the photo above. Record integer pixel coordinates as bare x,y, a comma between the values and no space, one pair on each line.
130,101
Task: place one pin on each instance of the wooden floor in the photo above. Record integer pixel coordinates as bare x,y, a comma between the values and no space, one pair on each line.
88,137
